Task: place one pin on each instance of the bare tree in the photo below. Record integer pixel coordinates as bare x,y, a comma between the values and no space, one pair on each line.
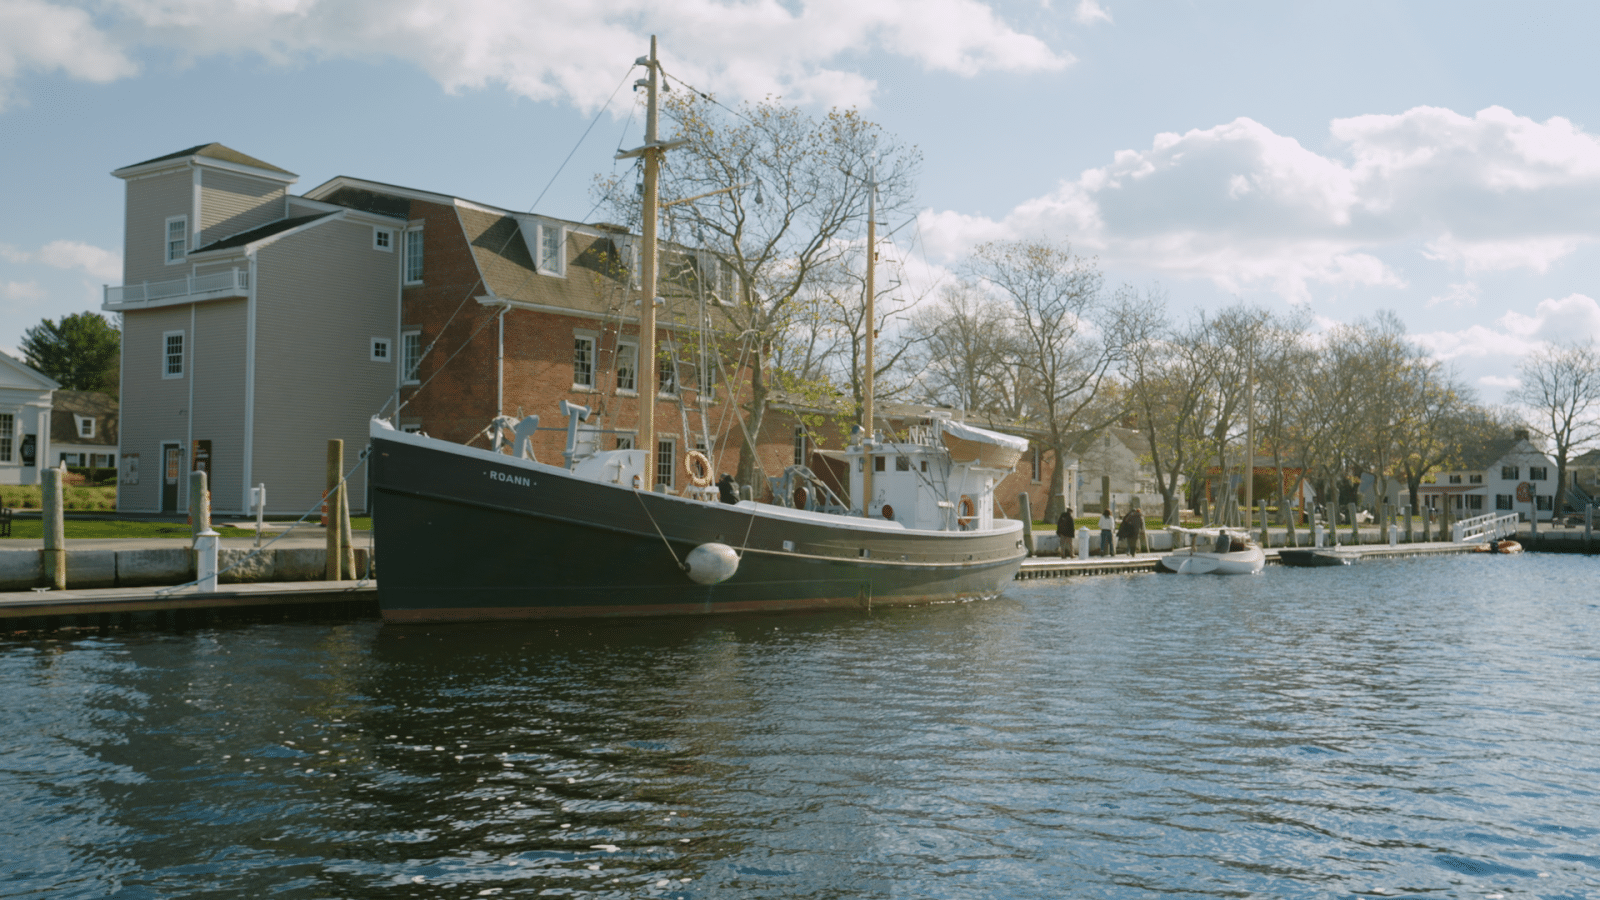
773,193
1055,298
1561,385
965,353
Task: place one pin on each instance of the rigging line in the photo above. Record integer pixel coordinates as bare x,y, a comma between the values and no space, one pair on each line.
595,121
500,251
653,524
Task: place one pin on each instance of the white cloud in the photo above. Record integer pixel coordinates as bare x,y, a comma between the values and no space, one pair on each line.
1090,12
1499,382
1514,335
43,37
25,292
576,51
1458,295
104,265
1242,206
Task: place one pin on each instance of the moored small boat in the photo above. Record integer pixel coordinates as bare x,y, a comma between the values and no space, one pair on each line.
1316,557
1229,553
1505,546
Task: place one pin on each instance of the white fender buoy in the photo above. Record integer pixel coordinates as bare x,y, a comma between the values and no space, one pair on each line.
711,563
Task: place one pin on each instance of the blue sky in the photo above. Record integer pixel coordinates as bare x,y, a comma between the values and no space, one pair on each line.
1441,160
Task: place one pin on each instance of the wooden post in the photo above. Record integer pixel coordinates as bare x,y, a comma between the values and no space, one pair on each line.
1427,524
1265,537
1407,511
1025,509
1289,539
1355,527
199,504
345,540
52,490
335,533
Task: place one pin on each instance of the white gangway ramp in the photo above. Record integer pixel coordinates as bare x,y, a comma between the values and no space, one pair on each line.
1489,526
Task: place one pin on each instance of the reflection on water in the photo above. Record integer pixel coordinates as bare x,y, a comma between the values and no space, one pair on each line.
1404,728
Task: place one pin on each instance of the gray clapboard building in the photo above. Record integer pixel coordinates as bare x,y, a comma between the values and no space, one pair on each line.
256,325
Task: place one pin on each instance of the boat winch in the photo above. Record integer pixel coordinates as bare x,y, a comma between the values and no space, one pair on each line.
711,563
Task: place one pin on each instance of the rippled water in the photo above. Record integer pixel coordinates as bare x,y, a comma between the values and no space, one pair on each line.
1422,728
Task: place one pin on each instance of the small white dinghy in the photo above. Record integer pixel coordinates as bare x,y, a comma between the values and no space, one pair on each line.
1215,551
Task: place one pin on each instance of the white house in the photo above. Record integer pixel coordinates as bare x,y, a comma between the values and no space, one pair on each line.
1123,454
1511,475
24,421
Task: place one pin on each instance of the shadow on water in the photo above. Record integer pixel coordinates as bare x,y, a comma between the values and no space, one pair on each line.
1415,727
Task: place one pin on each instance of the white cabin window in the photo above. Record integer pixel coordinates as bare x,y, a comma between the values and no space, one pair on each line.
414,256
552,249
172,354
410,356
583,361
380,350
85,426
177,239
627,366
383,239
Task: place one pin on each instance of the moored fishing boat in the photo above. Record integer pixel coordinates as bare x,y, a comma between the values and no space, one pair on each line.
1316,557
469,533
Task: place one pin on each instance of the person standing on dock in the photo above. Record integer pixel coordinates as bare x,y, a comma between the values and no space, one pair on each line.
1064,525
1132,530
1107,541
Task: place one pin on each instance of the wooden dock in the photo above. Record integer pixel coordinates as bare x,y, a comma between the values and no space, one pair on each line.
1052,567
182,607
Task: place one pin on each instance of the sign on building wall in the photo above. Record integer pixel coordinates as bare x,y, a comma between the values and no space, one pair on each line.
201,457
130,469
30,448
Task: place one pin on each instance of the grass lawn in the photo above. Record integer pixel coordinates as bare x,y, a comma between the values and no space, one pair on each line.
76,530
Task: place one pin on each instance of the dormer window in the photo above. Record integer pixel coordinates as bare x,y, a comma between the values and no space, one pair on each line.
552,249
85,426
177,239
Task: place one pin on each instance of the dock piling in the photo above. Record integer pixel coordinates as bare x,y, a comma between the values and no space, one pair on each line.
52,490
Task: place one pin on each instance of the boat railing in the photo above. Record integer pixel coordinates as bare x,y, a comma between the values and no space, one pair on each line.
1489,526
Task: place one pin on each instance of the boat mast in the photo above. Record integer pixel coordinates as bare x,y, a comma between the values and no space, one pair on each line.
646,364
871,322
1249,436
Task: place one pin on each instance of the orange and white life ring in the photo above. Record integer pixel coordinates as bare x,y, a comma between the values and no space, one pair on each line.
698,467
965,512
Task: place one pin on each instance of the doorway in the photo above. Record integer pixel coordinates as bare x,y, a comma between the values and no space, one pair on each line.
172,472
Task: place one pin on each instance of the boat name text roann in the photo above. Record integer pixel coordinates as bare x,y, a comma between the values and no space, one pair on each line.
523,480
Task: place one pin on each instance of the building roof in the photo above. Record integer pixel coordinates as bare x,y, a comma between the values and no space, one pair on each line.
215,151
14,373
67,406
264,231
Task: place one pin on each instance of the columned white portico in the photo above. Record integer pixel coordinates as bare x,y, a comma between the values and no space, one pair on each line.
24,421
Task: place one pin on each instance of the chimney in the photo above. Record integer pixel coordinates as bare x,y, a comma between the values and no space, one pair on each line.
1520,434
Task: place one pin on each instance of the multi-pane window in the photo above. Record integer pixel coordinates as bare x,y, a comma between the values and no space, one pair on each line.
552,249
410,356
667,373
85,426
1543,501
1510,473
1475,479
799,445
177,239
414,256
1038,467
172,354
383,239
666,461
1474,501
1502,501
380,350
624,442
8,436
1455,479
627,367
1538,473
583,361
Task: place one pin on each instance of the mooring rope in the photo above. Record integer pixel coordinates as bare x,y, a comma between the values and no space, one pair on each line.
658,531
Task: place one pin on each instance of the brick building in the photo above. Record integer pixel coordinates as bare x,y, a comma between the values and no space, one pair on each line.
449,311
